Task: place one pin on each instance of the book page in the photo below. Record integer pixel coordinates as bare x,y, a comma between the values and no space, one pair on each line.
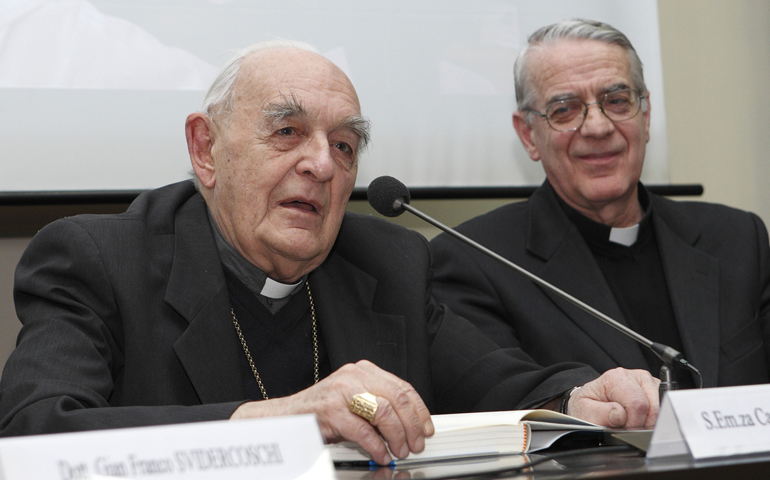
480,434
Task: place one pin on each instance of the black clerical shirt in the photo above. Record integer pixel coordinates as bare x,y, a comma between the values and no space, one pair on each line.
635,275
278,331
281,344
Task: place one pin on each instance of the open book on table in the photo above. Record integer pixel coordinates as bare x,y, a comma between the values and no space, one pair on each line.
469,435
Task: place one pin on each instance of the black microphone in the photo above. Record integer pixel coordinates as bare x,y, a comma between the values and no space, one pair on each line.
389,197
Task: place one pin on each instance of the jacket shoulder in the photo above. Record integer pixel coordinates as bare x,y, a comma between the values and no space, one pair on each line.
705,217
368,240
155,210
497,229
512,211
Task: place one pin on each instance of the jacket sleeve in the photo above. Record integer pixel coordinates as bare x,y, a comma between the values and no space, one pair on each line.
464,286
61,376
473,373
763,313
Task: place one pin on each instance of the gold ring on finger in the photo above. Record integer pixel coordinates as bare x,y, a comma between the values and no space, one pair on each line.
364,405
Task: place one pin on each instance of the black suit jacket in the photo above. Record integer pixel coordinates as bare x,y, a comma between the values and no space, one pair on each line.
716,262
126,322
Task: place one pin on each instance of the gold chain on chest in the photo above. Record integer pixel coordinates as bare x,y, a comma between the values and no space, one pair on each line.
248,354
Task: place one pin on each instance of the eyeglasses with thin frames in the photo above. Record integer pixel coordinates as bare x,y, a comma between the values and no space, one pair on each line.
568,115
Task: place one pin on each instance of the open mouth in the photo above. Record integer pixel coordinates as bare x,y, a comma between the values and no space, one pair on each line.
300,205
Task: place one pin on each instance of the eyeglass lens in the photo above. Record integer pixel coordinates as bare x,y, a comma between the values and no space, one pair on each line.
570,114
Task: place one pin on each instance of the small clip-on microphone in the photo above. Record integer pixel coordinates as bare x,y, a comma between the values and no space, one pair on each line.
389,197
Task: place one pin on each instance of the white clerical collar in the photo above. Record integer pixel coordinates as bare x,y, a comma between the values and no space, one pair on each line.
274,289
625,236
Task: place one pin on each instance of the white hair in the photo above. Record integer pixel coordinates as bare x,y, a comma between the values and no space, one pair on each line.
219,99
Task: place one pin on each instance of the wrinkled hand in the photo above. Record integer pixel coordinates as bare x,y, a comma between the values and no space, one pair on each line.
620,398
402,419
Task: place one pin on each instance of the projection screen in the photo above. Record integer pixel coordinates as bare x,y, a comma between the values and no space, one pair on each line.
94,94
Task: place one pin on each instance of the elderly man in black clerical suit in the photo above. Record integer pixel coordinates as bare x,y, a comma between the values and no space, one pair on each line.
690,275
256,294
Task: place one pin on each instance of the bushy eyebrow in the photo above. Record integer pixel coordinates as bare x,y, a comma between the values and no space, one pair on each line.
361,127
615,88
571,96
291,107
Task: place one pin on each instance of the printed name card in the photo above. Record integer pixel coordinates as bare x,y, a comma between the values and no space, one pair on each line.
276,448
712,423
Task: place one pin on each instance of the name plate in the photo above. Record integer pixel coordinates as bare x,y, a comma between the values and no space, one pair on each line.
713,423
276,448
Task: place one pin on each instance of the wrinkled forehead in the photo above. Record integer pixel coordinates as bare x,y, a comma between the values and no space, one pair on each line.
272,76
578,66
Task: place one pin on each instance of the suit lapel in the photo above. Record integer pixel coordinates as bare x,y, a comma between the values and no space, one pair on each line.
570,265
692,278
344,296
208,349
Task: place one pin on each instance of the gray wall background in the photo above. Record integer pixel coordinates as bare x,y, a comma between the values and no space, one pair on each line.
716,72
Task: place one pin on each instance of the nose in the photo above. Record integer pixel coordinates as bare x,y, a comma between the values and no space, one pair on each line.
596,123
317,160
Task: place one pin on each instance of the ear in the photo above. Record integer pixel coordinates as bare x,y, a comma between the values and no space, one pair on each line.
198,130
647,116
524,130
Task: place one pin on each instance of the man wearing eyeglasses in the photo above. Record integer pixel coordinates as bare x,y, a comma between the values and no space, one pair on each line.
690,275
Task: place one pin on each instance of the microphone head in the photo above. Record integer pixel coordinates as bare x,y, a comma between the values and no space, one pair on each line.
386,194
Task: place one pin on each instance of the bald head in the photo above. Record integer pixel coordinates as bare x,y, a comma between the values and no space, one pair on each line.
277,67
273,65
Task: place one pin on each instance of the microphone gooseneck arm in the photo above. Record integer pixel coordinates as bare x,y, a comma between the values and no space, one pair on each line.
582,305
667,355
